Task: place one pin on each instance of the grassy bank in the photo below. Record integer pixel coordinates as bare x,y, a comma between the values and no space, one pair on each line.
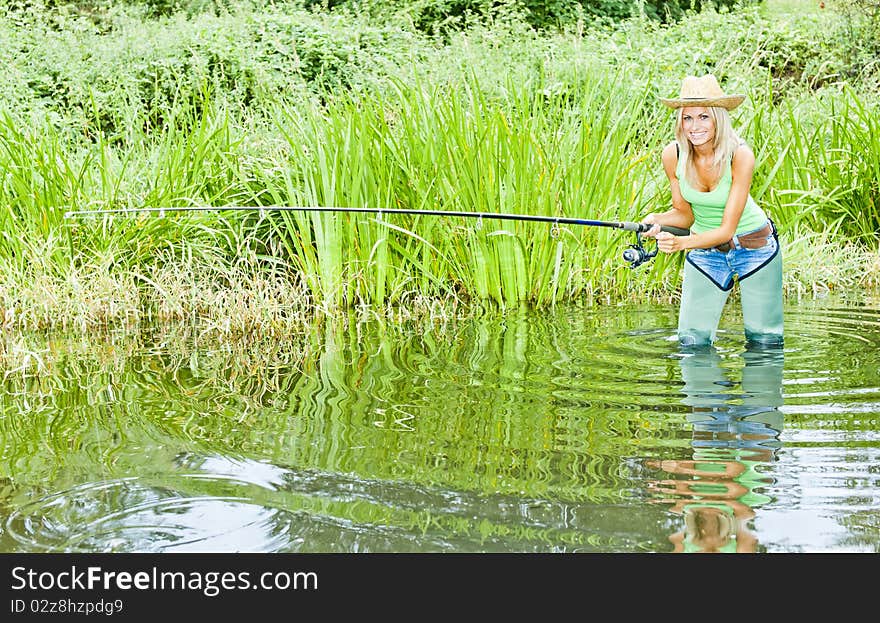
282,106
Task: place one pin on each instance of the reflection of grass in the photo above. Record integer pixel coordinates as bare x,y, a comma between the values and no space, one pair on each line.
326,399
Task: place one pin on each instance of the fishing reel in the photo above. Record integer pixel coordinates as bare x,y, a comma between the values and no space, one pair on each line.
636,254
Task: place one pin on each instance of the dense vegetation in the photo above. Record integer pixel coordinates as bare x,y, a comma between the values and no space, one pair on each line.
540,108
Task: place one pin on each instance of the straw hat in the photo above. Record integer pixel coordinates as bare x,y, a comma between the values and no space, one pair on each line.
703,91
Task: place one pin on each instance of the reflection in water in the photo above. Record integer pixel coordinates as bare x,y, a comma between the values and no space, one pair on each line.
522,433
735,431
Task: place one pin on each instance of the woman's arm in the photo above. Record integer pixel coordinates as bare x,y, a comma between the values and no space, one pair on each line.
742,168
681,215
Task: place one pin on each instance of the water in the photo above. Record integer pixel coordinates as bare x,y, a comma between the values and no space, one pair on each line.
575,430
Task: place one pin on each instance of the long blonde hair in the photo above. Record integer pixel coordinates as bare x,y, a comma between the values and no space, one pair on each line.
725,143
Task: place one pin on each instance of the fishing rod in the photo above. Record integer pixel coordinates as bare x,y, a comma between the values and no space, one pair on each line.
635,254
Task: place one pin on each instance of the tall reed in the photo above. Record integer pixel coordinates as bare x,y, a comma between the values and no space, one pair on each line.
820,162
581,153
498,121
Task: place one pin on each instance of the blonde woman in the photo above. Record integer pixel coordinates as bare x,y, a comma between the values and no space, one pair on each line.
732,240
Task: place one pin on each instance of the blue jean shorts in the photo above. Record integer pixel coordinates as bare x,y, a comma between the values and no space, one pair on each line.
721,266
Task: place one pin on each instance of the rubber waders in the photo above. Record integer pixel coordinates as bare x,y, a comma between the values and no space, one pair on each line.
702,302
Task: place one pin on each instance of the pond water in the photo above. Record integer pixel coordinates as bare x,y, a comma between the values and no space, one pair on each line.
571,430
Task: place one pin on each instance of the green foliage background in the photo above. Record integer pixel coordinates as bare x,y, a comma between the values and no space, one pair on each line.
421,104
427,15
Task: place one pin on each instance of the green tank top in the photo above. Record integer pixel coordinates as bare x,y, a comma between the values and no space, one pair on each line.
713,459
709,206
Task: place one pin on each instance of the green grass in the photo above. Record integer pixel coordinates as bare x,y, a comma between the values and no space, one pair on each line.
498,120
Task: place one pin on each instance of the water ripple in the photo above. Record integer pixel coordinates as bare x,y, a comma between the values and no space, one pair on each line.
567,430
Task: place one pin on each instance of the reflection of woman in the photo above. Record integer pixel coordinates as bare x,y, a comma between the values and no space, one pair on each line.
712,530
734,434
710,175
715,514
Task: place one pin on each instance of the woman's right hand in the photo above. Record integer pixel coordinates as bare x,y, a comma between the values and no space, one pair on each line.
651,233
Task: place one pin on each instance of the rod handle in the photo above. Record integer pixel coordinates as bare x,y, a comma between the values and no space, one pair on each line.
675,231
643,227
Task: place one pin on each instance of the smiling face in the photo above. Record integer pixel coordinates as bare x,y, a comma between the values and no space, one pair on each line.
698,125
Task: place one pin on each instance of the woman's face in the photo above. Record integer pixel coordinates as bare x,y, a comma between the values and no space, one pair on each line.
698,125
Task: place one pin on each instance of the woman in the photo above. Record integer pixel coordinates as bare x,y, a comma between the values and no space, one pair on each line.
710,174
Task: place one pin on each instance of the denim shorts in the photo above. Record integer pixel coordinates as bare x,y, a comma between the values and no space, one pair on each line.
721,266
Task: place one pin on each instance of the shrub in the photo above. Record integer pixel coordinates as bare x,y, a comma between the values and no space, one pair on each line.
859,35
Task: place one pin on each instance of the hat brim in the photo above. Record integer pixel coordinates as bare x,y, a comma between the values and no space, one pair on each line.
728,101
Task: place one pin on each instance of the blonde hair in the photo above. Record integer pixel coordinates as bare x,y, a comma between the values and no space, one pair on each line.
703,524
725,143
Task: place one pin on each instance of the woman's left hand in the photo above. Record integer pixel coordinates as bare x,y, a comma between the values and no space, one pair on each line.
668,243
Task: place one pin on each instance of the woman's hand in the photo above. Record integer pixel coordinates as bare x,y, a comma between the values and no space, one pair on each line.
668,243
651,233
